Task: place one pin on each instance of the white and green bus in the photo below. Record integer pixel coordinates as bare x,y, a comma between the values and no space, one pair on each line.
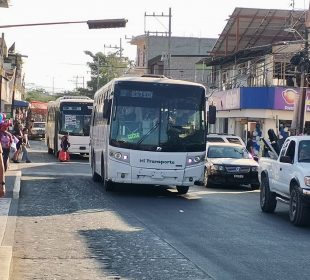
148,130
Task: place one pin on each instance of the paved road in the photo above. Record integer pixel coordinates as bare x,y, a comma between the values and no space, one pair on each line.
70,228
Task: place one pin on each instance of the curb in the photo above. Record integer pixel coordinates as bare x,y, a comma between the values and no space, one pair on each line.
9,215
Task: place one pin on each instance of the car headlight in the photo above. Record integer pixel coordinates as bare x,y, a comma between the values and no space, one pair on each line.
254,168
218,167
192,160
121,156
307,181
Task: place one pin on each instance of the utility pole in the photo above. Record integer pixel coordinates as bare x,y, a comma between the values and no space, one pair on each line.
169,43
168,52
116,47
303,85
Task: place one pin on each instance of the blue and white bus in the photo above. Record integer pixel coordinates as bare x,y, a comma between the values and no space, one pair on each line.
148,130
72,115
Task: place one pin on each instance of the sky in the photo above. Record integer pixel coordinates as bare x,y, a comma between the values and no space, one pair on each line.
55,53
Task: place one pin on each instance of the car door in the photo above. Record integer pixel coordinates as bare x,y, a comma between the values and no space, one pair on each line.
285,169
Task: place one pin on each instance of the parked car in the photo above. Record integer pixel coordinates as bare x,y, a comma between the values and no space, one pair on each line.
225,138
37,130
228,163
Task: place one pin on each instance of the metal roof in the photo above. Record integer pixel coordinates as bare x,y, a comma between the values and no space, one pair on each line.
250,27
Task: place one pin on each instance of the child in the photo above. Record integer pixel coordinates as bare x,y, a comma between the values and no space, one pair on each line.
65,142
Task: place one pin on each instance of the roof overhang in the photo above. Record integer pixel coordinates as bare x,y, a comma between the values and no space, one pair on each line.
250,27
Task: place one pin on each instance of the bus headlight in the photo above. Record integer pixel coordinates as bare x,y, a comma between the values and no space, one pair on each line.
121,156
191,160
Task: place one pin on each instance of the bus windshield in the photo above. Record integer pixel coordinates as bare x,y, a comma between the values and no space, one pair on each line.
75,118
161,117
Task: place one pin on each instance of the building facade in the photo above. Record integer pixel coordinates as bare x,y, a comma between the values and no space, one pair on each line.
154,56
253,81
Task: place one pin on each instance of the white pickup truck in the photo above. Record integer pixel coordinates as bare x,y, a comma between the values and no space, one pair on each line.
286,177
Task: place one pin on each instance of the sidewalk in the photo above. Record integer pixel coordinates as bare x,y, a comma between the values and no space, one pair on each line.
8,212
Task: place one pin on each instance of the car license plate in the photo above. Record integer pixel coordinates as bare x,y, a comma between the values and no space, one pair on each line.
238,176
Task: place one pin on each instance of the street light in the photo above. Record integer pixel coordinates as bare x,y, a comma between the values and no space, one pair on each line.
92,24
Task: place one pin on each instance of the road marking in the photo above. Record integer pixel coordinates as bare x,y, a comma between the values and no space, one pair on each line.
28,173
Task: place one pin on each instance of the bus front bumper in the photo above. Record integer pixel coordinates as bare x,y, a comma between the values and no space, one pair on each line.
124,173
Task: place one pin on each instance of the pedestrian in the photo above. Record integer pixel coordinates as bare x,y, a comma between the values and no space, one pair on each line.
17,132
2,175
249,143
25,145
6,140
65,144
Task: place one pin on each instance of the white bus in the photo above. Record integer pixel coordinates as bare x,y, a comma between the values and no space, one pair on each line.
148,130
70,114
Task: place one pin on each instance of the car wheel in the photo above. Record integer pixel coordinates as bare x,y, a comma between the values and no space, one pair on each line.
95,176
182,189
298,210
206,181
268,200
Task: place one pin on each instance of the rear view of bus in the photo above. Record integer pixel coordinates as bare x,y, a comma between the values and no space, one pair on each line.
150,131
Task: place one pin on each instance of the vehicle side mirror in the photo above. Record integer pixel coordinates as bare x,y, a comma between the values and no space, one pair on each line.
255,158
212,114
285,159
107,103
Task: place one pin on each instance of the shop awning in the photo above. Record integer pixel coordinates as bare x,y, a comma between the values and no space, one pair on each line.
20,103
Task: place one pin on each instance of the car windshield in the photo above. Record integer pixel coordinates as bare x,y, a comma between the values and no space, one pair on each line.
304,151
228,152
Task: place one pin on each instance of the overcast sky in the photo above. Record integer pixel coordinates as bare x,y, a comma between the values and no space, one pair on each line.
56,52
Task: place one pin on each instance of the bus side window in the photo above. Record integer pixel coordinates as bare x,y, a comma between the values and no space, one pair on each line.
107,108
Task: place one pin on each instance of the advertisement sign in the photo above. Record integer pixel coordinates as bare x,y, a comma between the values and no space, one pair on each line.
284,98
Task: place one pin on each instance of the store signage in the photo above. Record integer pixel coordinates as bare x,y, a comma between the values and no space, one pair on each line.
284,98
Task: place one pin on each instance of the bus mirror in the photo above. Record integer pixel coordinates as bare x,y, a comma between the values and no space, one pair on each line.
107,108
212,114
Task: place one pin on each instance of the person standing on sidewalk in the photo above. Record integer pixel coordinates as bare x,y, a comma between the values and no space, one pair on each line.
6,140
2,176
25,145
17,132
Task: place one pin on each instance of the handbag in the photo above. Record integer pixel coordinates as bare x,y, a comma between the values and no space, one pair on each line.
63,156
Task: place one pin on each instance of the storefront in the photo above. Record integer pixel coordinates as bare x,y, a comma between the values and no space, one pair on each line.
243,110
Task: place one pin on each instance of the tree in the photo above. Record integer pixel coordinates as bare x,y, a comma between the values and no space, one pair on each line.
104,68
38,95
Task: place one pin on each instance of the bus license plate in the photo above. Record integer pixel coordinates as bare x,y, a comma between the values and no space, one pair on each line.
238,176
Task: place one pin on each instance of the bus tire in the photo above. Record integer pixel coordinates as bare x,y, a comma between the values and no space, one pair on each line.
108,185
95,176
182,189
49,150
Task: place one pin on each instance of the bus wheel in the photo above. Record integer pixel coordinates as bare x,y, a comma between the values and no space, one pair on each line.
50,151
95,176
182,189
108,185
